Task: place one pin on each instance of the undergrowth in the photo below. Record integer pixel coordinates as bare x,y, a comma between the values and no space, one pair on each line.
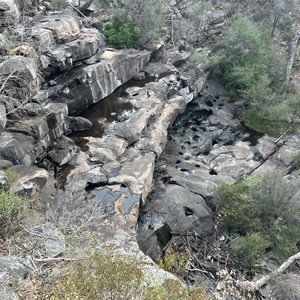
107,277
260,214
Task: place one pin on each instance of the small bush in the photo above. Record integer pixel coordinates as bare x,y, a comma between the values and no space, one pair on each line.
105,277
122,33
97,277
262,207
150,17
10,40
173,289
264,123
249,249
175,262
10,208
250,65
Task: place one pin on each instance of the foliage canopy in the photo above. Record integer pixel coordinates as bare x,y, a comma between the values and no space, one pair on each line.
122,33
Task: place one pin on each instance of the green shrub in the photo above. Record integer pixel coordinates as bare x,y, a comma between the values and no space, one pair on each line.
250,65
265,122
97,277
249,249
10,40
105,277
148,16
175,262
263,205
10,207
173,289
122,33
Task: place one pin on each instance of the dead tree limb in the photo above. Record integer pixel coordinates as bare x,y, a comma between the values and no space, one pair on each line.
256,285
292,58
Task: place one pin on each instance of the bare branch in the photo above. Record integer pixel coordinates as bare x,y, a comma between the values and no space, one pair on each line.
256,285
292,57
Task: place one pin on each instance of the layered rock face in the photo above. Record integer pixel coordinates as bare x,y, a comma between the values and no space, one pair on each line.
28,139
94,82
83,71
117,169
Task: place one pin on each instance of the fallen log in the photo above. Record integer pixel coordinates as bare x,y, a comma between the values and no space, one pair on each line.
253,286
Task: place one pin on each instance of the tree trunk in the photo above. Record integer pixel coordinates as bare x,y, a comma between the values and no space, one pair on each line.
292,58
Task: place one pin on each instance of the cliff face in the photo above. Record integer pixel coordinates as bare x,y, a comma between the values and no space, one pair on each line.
66,70
90,84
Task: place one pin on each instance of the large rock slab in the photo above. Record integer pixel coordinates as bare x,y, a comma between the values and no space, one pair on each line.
106,149
63,151
22,79
29,180
17,148
13,268
181,209
65,27
28,139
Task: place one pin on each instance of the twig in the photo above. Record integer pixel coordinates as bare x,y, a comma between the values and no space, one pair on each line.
49,259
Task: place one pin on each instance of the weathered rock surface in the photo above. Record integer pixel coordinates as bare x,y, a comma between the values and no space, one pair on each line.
127,152
28,181
7,293
182,210
13,268
79,124
4,164
63,151
63,42
17,148
10,11
52,239
106,149
29,138
3,181
90,84
207,146
177,58
64,27
3,118
286,287
21,81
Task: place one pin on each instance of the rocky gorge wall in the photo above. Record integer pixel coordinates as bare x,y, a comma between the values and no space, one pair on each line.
86,71
146,180
67,70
